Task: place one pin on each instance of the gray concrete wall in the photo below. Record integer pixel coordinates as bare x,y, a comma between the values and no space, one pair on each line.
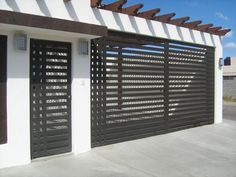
230,87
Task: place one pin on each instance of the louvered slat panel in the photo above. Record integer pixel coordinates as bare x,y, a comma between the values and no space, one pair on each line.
141,88
50,74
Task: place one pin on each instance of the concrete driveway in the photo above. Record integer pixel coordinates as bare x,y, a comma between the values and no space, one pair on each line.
229,110
208,151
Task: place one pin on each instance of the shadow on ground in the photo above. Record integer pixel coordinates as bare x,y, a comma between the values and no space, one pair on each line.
207,151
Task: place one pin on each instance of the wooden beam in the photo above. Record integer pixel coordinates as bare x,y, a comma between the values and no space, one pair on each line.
192,24
95,3
222,32
149,14
179,21
49,23
203,28
164,18
214,30
132,10
115,6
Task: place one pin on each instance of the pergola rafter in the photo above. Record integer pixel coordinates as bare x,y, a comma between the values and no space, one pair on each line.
179,21
117,6
164,18
96,3
132,10
149,14
204,27
214,29
222,32
192,24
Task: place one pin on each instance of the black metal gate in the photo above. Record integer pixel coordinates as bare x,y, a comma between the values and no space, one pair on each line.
144,86
50,88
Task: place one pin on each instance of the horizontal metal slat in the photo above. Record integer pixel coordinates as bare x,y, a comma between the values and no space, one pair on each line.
134,89
188,100
48,63
136,56
132,62
187,48
140,72
122,129
184,109
134,94
134,78
142,52
131,111
192,112
130,105
136,84
187,104
190,69
120,136
133,46
187,92
134,68
135,116
137,99
187,65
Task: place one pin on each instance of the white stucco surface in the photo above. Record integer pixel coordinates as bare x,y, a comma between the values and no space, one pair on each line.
80,10
17,150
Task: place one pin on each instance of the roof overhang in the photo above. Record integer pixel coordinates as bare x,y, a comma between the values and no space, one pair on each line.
29,20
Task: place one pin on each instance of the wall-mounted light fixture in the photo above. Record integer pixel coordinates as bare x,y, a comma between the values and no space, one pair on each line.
20,41
83,47
221,63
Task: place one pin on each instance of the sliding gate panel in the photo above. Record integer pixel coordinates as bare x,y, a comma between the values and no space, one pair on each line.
50,81
191,85
145,86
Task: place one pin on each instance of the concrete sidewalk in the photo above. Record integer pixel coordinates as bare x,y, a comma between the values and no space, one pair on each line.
208,151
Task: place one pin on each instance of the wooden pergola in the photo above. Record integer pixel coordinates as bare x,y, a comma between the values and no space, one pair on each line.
134,10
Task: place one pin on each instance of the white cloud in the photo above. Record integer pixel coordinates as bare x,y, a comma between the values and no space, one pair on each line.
229,34
222,16
230,45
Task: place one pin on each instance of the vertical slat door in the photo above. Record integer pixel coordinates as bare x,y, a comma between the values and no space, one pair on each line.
50,88
143,86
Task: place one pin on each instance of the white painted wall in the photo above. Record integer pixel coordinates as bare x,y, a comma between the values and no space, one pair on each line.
81,101
80,10
218,84
17,150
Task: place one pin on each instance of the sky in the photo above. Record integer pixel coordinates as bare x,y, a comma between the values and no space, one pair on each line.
219,12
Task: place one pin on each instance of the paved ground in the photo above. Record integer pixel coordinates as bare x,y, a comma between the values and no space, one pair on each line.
208,151
229,110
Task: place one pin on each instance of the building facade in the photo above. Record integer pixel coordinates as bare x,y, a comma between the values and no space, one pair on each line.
229,75
62,55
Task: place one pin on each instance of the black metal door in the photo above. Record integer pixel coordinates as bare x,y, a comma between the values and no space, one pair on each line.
144,86
50,97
